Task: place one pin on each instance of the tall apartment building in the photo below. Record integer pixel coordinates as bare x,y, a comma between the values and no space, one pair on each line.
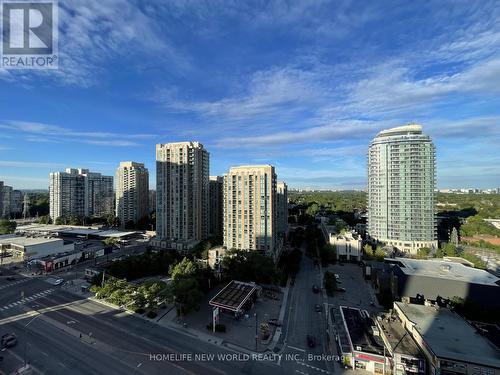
1,199
10,201
182,193
401,182
80,193
132,192
216,204
152,201
16,202
282,208
250,209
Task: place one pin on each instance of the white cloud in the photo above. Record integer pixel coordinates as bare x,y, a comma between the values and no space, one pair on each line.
29,164
275,91
94,34
340,130
39,132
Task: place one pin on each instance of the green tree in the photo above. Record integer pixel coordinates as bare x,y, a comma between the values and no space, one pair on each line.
423,253
330,283
186,293
112,220
7,226
450,250
313,209
379,253
110,242
328,254
186,268
44,219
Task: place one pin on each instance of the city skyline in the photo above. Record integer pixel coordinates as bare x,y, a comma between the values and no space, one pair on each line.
308,100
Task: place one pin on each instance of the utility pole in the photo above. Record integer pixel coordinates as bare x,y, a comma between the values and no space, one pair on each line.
256,331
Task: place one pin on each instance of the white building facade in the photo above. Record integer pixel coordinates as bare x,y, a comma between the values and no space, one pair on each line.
401,182
348,245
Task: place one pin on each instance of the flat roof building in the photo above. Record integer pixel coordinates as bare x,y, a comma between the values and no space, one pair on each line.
367,348
33,248
450,344
407,358
435,277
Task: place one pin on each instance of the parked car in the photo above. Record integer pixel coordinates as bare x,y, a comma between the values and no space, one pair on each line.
317,308
341,290
9,340
274,322
10,278
315,288
337,277
311,341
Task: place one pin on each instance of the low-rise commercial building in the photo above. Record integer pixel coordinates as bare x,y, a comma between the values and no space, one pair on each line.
430,279
367,351
407,358
54,262
69,231
450,344
30,248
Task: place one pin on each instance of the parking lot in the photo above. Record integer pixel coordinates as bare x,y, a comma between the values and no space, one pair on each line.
358,292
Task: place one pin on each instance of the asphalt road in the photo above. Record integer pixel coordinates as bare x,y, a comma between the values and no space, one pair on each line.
301,320
112,342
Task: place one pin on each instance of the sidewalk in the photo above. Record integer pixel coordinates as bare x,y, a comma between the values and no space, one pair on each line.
170,320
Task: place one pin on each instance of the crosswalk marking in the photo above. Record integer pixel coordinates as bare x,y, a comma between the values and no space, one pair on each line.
14,283
312,367
27,299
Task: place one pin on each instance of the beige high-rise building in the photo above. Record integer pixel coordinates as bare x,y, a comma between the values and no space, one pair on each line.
182,194
250,209
132,192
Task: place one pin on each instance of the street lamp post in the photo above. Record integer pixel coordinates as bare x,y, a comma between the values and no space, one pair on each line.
26,338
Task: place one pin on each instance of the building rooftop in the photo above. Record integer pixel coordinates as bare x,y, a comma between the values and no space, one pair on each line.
445,270
359,325
254,166
234,295
396,336
27,241
73,230
410,128
450,336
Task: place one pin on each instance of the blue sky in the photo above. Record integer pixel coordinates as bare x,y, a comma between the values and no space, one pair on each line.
303,85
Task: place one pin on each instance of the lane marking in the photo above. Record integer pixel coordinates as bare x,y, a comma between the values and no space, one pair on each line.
293,347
